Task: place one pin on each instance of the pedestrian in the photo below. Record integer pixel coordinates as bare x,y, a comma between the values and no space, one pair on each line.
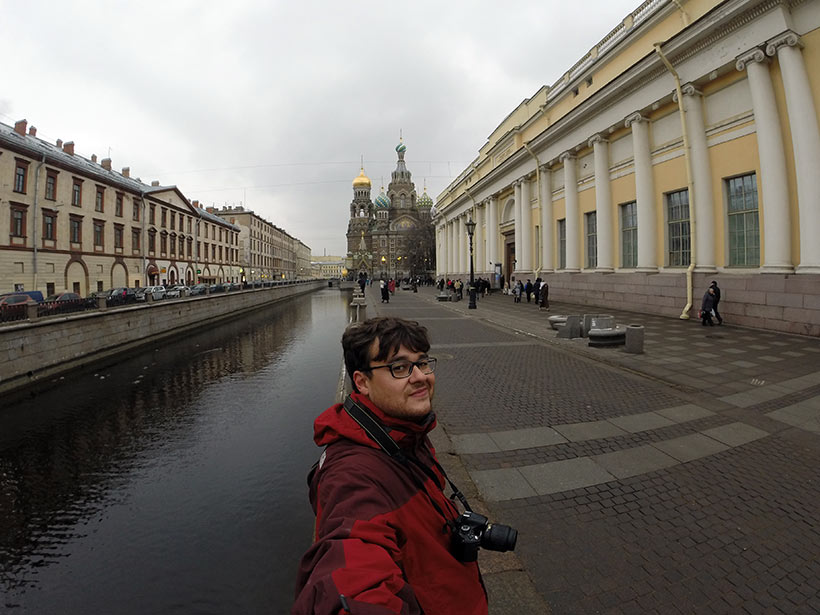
544,303
460,289
384,291
716,288
386,537
528,289
707,307
518,289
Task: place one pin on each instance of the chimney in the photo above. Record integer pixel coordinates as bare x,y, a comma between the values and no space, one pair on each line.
68,148
20,127
106,164
32,131
211,210
195,203
155,183
59,144
93,157
126,171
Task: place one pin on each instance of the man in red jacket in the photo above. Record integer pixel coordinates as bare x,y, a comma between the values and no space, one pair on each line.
383,523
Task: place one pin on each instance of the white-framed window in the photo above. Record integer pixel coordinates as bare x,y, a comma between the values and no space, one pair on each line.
743,221
591,224
629,234
677,213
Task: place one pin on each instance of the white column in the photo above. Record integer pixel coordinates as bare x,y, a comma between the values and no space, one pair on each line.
603,204
773,183
519,222
547,227
644,192
492,232
480,241
526,226
805,142
462,244
451,248
571,204
704,203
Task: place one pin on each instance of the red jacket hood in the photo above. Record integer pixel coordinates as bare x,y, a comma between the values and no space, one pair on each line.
335,424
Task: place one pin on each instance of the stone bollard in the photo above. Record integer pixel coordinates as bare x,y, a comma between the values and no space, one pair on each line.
32,310
101,303
634,339
571,329
149,297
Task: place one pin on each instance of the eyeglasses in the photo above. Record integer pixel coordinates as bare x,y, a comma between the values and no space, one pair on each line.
403,368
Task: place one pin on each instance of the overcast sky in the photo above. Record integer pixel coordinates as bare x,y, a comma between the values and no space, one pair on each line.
271,104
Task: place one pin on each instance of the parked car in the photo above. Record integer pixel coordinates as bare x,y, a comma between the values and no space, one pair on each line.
198,289
34,295
219,288
121,296
156,292
14,306
176,292
139,293
61,303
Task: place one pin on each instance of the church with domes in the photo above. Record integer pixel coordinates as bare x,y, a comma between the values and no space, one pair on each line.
393,236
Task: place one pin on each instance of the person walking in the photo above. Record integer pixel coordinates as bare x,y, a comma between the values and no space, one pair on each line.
544,303
707,307
528,290
716,288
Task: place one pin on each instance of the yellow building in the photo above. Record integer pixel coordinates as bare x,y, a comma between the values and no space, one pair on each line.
71,223
685,141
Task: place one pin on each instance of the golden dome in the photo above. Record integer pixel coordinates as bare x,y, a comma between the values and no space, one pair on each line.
361,180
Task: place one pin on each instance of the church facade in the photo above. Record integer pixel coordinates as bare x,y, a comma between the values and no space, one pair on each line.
393,236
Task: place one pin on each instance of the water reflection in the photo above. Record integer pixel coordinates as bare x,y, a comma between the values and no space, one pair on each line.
129,489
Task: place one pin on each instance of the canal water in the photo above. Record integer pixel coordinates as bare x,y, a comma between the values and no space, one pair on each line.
172,481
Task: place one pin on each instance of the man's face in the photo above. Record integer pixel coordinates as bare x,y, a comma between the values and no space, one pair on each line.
405,398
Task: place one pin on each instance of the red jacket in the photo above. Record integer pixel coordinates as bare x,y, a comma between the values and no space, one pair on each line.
379,541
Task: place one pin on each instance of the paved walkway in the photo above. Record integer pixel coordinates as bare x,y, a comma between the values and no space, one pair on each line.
680,480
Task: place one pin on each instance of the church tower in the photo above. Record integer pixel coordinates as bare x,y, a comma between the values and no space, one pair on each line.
359,253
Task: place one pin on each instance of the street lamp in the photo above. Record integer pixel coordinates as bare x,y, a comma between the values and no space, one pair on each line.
470,230
384,260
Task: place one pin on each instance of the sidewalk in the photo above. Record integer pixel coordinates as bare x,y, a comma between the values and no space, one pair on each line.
682,480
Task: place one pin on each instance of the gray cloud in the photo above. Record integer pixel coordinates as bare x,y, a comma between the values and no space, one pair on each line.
272,103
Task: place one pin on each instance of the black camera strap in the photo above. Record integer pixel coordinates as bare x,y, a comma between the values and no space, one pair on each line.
376,432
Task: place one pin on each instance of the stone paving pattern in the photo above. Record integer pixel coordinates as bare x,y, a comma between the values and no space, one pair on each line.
681,480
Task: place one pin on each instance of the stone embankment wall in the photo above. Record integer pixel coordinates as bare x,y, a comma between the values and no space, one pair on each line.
34,350
789,303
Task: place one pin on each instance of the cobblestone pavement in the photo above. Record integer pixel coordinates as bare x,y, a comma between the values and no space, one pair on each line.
680,480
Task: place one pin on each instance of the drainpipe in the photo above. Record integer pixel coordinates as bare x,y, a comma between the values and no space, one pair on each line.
690,185
538,187
34,230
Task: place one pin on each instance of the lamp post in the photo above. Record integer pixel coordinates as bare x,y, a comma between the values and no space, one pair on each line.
470,230
384,260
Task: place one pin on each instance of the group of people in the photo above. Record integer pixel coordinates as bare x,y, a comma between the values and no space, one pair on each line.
456,287
539,291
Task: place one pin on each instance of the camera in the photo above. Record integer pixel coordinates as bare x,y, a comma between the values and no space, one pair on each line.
471,531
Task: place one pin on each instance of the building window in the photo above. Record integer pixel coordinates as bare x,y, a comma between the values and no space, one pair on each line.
75,227
135,211
189,226
163,244
49,225
163,217
20,175
152,218
173,221
77,192
135,241
152,242
51,185
562,244
99,201
591,220
117,237
744,229
118,206
677,205
629,234
182,247
18,221
99,234
173,243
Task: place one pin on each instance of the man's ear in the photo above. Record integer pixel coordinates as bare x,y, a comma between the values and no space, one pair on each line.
362,382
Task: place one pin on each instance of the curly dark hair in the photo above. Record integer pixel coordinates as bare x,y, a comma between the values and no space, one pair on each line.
391,333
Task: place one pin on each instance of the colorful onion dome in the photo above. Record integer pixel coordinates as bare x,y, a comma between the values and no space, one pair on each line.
401,147
424,200
383,200
362,180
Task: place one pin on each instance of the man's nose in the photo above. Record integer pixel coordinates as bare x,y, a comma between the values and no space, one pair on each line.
417,374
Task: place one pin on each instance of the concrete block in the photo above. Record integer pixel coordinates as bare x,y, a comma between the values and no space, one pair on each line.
572,328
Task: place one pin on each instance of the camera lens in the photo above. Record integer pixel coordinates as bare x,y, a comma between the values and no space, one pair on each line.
499,537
